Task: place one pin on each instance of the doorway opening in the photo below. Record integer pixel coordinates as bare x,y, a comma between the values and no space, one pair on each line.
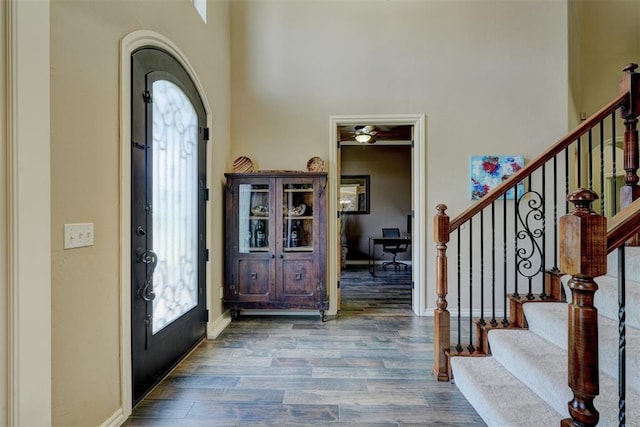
409,151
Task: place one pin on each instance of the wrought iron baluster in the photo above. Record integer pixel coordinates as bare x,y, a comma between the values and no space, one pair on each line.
555,214
543,254
614,199
529,279
493,264
505,320
470,346
482,321
566,178
622,362
515,243
530,218
579,160
459,345
590,157
603,201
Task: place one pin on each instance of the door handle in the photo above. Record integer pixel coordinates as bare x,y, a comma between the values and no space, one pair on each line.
151,259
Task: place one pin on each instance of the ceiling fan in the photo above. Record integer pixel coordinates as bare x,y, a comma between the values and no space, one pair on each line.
365,134
369,134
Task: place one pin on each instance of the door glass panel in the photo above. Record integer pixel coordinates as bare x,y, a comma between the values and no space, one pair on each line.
175,204
253,225
297,217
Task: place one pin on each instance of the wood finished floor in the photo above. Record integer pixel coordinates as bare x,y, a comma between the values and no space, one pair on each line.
369,366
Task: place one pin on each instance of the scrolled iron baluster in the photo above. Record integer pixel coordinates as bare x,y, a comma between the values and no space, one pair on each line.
529,219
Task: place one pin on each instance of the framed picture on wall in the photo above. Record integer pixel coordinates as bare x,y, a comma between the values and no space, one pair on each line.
488,172
354,194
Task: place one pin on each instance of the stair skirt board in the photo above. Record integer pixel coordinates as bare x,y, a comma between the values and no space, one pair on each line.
524,381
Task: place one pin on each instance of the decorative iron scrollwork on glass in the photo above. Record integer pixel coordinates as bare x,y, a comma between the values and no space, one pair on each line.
150,258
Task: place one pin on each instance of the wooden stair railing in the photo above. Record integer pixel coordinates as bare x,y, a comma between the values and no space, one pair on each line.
627,104
583,255
588,238
583,251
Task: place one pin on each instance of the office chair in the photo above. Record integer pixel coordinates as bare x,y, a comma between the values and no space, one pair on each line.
394,249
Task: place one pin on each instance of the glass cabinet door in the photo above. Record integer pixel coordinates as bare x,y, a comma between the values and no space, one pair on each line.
297,217
253,217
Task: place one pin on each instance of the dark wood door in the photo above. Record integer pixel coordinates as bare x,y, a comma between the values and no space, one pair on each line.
300,273
168,195
250,242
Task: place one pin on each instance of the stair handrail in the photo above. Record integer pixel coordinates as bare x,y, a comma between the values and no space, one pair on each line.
623,226
535,164
627,96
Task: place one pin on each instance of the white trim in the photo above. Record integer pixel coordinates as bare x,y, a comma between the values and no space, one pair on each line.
216,327
419,198
28,173
128,45
201,8
115,420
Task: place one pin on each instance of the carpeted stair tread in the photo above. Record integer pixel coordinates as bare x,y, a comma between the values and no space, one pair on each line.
537,363
525,383
506,402
606,298
542,367
544,318
632,263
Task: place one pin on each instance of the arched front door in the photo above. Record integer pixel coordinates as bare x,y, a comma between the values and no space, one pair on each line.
168,197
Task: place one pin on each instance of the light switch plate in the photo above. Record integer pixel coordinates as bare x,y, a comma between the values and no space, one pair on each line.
78,235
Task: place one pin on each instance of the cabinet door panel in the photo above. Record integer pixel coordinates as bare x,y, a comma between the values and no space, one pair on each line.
254,280
297,278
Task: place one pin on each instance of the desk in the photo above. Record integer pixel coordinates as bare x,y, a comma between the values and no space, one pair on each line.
373,241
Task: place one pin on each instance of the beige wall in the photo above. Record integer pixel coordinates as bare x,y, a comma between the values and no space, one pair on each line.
491,77
575,18
610,39
85,180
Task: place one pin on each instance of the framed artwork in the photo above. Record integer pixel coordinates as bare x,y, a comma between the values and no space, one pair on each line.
354,194
487,172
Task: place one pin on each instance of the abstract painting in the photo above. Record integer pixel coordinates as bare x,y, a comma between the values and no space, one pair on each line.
488,172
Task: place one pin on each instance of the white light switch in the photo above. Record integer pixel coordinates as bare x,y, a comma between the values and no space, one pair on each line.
78,235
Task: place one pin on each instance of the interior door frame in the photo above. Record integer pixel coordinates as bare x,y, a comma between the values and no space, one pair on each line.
418,202
129,44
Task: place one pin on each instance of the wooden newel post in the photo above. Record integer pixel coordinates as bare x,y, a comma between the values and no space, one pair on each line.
630,84
441,316
583,255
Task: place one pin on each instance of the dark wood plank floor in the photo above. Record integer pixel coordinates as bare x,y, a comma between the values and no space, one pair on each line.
368,366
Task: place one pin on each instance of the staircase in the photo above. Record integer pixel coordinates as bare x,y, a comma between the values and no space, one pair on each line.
524,381
539,333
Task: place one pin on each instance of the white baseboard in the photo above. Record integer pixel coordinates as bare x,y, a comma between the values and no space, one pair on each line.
115,420
216,327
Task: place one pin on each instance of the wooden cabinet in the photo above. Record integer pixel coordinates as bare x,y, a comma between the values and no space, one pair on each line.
276,243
